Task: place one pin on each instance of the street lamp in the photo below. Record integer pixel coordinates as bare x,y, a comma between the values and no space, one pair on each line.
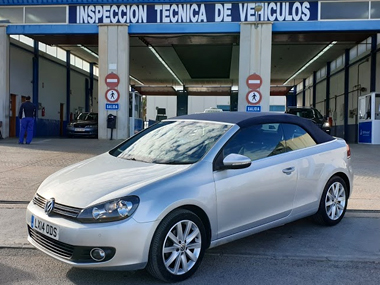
258,8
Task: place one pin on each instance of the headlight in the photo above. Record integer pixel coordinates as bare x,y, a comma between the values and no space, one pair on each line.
113,210
326,125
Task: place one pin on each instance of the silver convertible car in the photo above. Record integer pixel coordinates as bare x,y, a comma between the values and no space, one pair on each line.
161,198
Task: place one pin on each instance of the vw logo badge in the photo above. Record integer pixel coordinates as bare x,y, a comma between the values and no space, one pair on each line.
49,206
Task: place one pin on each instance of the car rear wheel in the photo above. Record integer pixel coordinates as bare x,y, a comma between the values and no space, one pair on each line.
333,203
177,247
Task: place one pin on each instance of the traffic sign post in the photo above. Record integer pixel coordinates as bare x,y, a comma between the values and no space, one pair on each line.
112,80
254,81
253,97
112,95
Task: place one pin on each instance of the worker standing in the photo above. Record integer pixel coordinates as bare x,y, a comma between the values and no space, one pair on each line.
27,114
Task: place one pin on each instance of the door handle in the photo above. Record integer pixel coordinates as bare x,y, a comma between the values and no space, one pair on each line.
288,170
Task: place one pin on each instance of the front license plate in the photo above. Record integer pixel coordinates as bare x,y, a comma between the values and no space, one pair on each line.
80,129
45,228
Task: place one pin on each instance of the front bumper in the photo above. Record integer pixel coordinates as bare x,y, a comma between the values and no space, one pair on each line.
127,242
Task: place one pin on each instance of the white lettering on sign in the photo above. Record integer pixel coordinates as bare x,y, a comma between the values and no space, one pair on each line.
194,13
275,12
181,13
111,14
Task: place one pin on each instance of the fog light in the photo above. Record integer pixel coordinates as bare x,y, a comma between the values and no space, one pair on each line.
97,254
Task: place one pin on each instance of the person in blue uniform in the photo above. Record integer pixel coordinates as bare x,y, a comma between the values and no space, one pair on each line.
27,114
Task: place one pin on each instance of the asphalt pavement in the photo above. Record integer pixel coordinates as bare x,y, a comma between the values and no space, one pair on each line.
24,167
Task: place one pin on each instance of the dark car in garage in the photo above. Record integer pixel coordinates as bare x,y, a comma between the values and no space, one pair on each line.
85,125
311,114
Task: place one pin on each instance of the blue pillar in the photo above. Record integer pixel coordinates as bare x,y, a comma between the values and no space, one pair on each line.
87,94
291,98
346,90
373,64
68,86
91,91
36,59
328,77
315,88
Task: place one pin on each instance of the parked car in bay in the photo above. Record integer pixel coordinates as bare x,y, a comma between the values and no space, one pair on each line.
85,124
311,114
159,199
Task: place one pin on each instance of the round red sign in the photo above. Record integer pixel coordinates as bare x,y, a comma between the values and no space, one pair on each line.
112,95
254,81
253,97
112,80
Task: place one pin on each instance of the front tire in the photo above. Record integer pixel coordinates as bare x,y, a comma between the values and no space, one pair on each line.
177,247
333,202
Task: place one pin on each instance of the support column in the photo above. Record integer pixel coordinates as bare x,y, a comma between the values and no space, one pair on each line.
315,90
255,57
68,86
304,92
346,93
4,81
328,79
114,57
373,64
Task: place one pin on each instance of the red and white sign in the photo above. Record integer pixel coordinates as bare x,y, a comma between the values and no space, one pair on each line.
254,81
112,95
253,97
112,80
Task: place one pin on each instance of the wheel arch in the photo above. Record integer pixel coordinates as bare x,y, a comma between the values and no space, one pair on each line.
203,216
345,179
200,213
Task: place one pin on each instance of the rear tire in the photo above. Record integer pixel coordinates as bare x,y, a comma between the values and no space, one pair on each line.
177,247
333,204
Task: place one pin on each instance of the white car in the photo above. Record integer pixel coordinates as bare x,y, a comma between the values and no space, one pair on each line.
162,197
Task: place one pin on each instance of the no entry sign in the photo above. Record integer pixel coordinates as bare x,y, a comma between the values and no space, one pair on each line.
112,80
254,81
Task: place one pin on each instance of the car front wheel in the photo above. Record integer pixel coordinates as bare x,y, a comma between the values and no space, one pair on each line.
333,203
177,247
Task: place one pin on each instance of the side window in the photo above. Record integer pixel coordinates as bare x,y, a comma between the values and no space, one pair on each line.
257,142
296,137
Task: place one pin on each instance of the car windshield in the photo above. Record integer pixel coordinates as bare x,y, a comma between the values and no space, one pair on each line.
172,142
308,114
87,117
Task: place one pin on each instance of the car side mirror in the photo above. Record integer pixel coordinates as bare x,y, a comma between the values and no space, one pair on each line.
236,161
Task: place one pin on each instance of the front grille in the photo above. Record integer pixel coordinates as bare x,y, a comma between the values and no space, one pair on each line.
79,254
58,209
59,248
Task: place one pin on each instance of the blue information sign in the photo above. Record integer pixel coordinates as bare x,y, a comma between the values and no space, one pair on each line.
110,106
253,109
365,132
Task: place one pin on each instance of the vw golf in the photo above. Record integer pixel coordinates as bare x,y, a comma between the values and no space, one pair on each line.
162,197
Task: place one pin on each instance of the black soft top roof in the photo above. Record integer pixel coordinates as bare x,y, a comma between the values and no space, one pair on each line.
245,119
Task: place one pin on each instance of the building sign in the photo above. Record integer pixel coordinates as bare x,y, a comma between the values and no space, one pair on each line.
193,13
110,106
255,109
365,132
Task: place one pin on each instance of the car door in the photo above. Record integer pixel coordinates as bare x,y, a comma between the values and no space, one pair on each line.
264,191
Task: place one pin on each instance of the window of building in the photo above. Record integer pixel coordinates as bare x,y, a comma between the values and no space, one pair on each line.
347,10
34,14
14,15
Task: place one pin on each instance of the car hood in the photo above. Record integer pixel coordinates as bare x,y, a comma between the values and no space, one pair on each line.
102,178
84,123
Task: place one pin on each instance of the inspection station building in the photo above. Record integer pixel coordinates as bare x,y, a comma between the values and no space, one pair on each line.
131,57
